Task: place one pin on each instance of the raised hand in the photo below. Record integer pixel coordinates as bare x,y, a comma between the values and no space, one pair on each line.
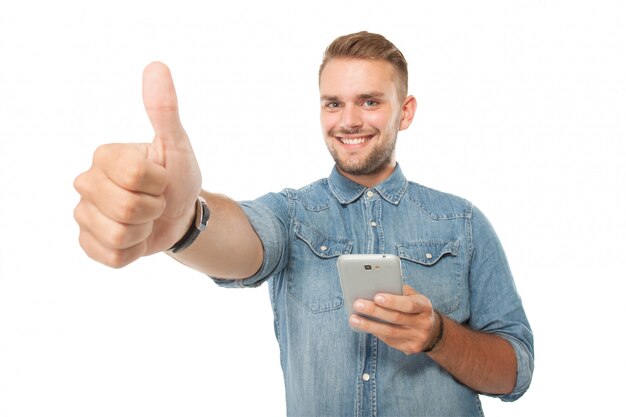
139,199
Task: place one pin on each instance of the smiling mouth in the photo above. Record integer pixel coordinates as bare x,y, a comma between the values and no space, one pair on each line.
353,141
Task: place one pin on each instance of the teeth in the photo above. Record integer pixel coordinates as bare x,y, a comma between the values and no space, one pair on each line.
356,141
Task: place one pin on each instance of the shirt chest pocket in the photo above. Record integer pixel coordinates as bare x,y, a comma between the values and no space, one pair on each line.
312,277
433,268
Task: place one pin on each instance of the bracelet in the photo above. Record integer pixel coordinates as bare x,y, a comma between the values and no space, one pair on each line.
437,340
199,224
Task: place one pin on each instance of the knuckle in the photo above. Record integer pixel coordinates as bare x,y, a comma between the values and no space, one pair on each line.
133,176
82,241
82,183
78,210
390,332
416,307
397,317
102,154
121,257
117,258
114,258
117,236
78,183
128,208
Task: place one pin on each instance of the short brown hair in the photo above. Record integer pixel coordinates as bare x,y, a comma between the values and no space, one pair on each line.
365,45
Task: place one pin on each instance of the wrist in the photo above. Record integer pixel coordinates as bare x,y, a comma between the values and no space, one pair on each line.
439,329
197,223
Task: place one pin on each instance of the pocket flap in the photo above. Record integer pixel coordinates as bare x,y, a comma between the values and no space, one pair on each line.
323,246
428,252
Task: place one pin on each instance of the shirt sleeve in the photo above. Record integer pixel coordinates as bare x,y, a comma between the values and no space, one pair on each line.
496,306
269,217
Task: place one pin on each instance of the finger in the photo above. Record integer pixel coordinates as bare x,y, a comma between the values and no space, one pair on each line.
414,303
387,331
109,233
403,338
371,309
116,203
159,98
115,258
127,165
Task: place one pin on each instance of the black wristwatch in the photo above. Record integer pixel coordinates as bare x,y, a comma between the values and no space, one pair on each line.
202,217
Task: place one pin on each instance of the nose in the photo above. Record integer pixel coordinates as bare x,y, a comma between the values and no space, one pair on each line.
350,117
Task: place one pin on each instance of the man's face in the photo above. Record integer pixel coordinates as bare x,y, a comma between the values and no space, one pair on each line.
361,115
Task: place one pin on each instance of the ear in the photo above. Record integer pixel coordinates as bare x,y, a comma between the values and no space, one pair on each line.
408,111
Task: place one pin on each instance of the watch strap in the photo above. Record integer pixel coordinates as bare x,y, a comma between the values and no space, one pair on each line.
199,224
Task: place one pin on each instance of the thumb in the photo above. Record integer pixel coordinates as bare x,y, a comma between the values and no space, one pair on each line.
159,99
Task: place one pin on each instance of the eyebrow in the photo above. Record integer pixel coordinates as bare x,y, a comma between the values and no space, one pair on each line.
368,95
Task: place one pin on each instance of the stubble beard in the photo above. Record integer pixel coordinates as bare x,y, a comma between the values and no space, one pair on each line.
376,161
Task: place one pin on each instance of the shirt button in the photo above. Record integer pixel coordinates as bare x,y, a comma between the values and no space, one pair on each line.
373,224
366,377
429,256
369,193
323,247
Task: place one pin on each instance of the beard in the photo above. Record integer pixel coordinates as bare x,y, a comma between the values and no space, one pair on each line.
376,161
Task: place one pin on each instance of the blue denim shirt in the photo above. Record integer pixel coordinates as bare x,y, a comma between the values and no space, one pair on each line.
449,252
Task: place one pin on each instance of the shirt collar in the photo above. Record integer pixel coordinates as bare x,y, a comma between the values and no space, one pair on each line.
347,191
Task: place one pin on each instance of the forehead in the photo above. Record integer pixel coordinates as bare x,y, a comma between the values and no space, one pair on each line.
348,77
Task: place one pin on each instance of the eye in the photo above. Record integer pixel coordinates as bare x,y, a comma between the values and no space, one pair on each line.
370,103
331,105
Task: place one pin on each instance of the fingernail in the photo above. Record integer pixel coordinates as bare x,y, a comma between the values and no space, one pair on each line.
354,320
359,305
379,299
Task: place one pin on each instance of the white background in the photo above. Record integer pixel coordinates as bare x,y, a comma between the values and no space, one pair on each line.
521,110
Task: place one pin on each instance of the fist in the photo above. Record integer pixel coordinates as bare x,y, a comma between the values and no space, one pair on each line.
139,199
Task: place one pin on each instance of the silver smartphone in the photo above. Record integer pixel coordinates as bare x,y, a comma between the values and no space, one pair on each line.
364,276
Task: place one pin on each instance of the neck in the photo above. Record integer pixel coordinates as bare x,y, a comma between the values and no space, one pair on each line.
371,180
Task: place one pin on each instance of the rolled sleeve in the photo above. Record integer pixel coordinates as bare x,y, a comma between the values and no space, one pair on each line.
496,306
525,367
265,217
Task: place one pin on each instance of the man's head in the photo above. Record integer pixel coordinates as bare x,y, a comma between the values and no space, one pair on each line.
363,85
365,45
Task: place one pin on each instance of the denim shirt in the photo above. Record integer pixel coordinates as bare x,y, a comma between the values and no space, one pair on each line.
449,252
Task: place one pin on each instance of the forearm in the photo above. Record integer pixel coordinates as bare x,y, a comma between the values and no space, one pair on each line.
484,362
228,247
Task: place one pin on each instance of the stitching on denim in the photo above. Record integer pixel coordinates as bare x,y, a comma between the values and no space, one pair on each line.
396,197
449,247
458,271
350,199
435,216
373,399
470,236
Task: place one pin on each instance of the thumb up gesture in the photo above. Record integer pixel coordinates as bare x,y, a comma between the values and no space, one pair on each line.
139,199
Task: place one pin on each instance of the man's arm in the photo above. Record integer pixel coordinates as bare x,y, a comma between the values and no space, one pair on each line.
139,199
483,362
228,247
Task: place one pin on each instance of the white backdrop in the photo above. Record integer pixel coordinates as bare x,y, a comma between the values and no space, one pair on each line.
521,110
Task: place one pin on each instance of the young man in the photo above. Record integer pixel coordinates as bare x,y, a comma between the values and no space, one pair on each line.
458,330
